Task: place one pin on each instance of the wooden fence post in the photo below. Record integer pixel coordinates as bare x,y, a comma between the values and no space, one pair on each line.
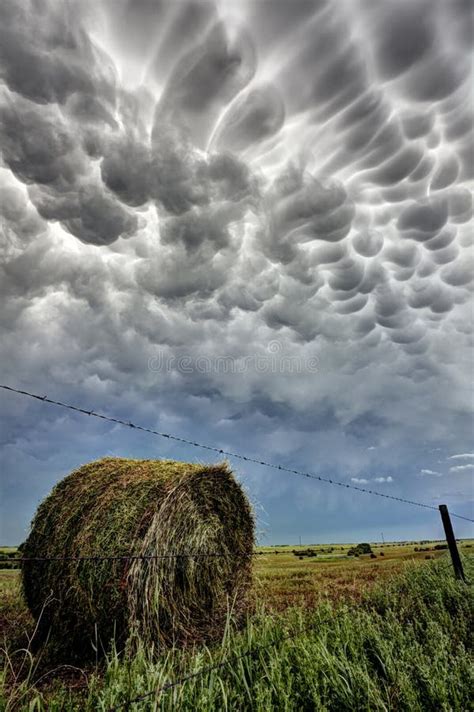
450,538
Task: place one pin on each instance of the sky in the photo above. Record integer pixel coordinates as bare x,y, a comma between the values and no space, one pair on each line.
247,224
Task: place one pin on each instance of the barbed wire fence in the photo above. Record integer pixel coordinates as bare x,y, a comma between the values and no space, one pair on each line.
22,560
229,660
12,558
222,451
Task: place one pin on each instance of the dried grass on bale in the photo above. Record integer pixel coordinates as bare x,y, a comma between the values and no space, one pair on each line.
115,507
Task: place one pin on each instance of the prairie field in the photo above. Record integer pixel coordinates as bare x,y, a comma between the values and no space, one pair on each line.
285,578
327,631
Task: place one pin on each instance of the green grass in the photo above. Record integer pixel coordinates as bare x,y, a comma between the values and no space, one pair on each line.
406,645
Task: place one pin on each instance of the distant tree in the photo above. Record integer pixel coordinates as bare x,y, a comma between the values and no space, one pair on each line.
363,548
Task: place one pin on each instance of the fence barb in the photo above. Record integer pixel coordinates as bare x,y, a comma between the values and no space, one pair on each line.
222,451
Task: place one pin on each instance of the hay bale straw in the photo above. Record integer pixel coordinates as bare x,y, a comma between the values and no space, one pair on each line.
117,507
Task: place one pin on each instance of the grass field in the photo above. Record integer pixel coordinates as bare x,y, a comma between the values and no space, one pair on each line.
387,632
284,579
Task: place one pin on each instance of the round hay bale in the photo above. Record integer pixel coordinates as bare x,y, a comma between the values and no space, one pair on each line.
117,507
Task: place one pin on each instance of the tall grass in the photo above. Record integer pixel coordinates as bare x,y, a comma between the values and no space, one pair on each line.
407,646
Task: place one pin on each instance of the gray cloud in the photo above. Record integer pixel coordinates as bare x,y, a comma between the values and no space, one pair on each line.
126,170
283,174
405,33
37,143
254,117
46,57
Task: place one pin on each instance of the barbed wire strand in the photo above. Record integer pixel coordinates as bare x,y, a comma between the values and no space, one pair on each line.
232,659
146,557
218,666
128,557
4,558
222,451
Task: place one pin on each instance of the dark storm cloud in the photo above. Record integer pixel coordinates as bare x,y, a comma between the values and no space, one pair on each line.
204,81
181,178
441,240
126,170
47,61
368,243
302,209
19,219
405,33
256,116
458,273
402,165
96,218
273,19
289,173
446,173
403,254
347,275
204,194
37,143
196,226
423,219
340,78
460,205
185,23
46,57
434,295
42,150
411,46
435,79
417,125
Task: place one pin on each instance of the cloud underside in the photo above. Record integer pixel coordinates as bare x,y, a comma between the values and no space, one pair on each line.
210,185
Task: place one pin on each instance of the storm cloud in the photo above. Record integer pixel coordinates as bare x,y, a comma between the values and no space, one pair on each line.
199,180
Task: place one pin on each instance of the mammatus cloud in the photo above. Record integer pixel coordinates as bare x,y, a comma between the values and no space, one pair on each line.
206,179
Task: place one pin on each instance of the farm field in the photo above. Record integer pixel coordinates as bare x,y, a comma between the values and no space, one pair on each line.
284,579
286,575
395,605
